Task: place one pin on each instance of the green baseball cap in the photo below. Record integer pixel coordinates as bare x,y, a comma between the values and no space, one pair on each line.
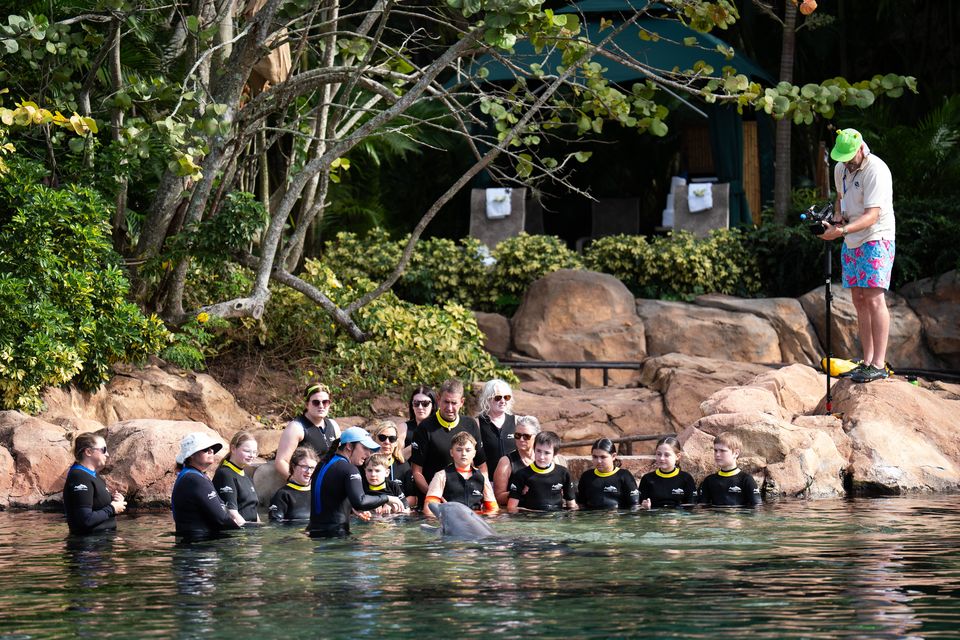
848,143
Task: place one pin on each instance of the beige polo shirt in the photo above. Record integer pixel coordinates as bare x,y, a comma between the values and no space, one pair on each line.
871,185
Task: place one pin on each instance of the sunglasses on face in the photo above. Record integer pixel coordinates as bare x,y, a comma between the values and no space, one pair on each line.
382,437
499,398
102,450
317,403
422,403
523,436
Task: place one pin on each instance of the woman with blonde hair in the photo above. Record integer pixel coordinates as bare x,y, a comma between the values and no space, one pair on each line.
233,484
88,504
496,420
386,434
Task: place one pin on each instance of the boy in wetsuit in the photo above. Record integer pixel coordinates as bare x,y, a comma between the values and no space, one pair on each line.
461,481
544,485
729,487
375,481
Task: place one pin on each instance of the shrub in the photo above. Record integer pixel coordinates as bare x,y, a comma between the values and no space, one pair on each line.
63,292
790,258
628,258
525,258
928,238
442,271
353,259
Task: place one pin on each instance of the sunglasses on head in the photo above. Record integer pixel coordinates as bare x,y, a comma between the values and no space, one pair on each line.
382,437
523,436
499,398
317,403
422,403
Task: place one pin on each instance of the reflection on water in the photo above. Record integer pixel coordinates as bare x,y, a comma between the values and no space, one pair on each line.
885,568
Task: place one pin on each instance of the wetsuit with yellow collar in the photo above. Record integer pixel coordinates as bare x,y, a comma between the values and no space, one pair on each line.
431,443
542,489
670,489
236,490
733,488
614,490
290,502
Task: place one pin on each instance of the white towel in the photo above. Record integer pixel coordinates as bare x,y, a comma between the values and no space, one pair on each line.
498,203
700,196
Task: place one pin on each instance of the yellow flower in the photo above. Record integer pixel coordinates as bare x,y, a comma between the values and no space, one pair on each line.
203,317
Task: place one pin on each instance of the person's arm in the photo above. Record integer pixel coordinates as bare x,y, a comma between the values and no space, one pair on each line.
517,489
359,500
752,491
501,481
513,505
489,498
228,488
569,497
629,492
690,491
418,478
278,507
644,488
434,492
211,506
289,440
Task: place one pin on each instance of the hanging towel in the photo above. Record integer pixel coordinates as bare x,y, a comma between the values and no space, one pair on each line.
700,196
498,203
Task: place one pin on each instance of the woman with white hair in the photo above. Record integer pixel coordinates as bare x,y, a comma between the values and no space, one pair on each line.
198,511
496,420
527,429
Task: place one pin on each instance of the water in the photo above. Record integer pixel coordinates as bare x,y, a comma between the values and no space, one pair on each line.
883,568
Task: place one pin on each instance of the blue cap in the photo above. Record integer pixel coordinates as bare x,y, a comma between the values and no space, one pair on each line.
356,434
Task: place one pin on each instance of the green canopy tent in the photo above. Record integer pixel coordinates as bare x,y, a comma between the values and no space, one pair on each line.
668,44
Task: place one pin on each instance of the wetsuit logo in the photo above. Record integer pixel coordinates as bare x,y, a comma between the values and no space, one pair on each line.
80,487
557,487
226,489
354,476
611,490
211,495
677,492
513,487
735,490
477,492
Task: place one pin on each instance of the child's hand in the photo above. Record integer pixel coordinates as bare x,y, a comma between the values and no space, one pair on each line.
646,504
363,515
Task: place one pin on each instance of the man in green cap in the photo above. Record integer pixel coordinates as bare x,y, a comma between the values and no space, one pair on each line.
865,221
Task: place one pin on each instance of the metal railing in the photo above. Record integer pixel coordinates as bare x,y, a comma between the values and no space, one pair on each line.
576,366
627,441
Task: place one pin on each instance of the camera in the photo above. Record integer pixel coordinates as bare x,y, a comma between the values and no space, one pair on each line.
817,218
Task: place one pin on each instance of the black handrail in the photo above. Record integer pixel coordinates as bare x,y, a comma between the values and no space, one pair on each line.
577,366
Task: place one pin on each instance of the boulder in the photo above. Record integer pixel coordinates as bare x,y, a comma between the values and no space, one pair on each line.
906,346
684,382
267,441
152,392
797,337
572,315
496,332
936,300
40,455
677,327
589,414
266,481
904,437
143,458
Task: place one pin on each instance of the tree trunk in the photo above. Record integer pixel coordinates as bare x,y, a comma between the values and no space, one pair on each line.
782,170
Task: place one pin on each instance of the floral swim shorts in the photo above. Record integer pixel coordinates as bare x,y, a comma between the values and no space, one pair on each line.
869,265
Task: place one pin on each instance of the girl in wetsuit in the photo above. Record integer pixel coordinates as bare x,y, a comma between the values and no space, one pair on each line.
198,511
292,500
544,485
607,486
526,430
233,484
338,487
667,485
88,504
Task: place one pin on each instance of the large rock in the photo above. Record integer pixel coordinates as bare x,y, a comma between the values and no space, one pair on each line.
155,393
589,414
936,301
797,337
906,346
496,332
677,327
143,458
684,382
904,437
573,315
39,454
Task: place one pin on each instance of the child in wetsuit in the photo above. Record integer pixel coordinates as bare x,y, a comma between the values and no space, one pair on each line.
544,485
607,486
292,500
667,485
729,487
376,483
461,481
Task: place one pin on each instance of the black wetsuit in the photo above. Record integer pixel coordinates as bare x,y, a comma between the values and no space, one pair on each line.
729,489
198,511
542,490
431,445
516,462
468,491
388,488
497,442
236,490
317,438
86,502
337,487
290,502
618,490
668,490
411,430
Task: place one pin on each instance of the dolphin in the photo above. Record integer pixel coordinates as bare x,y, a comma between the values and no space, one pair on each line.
459,521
